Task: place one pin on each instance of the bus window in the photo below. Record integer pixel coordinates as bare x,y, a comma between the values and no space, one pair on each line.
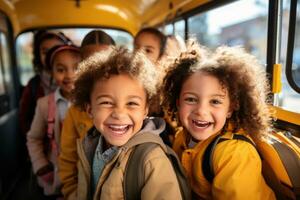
24,56
179,28
3,64
168,29
296,54
24,46
5,59
239,23
6,85
289,98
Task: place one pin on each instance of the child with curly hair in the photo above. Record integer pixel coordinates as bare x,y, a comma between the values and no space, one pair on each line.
220,94
77,121
115,88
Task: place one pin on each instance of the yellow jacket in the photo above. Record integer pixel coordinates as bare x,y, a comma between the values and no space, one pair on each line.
75,126
237,168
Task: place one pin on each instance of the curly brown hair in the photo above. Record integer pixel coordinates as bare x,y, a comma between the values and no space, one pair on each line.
238,72
115,61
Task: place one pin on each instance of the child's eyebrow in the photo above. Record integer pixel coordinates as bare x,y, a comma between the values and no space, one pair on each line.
103,96
189,93
219,95
60,64
134,97
148,46
109,96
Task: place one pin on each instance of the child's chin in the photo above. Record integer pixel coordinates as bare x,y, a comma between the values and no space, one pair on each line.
118,143
201,136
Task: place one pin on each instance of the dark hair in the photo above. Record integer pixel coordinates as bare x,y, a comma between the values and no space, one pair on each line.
38,38
97,37
114,61
56,49
162,38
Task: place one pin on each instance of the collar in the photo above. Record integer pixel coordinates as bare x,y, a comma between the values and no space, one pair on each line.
155,125
58,96
184,137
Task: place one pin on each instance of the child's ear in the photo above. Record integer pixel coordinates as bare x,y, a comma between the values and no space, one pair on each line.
229,114
89,110
146,111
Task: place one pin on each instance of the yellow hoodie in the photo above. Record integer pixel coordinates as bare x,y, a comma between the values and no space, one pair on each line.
237,168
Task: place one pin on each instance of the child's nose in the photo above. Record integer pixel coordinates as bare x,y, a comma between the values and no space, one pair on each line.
202,108
118,113
70,73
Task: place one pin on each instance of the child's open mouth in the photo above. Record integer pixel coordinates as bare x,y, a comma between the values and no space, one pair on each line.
119,129
201,124
68,83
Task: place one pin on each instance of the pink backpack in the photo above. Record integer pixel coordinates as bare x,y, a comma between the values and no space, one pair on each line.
51,121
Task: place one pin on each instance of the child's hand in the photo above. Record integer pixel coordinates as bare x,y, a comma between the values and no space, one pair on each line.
46,173
48,177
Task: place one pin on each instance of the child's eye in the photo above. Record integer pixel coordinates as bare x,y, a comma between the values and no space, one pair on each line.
215,101
190,100
105,103
148,50
60,70
132,103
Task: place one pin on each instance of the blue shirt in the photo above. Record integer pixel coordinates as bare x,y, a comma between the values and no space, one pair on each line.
100,160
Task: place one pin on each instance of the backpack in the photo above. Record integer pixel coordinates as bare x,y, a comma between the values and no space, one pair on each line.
280,162
50,140
134,172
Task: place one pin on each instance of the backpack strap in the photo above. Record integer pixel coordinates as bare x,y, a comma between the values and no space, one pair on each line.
134,182
51,121
145,138
134,172
291,163
180,174
288,157
207,161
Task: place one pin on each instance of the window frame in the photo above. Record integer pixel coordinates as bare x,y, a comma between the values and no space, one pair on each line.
290,46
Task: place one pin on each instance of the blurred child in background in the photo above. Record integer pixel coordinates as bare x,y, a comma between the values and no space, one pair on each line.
41,84
43,138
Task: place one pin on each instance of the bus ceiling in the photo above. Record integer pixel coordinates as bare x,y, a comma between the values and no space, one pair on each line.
129,16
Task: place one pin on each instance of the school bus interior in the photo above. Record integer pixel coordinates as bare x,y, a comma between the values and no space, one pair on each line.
268,29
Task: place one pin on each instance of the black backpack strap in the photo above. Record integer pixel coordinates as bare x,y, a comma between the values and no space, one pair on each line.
207,161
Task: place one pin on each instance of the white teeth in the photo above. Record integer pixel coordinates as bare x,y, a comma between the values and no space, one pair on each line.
118,126
201,123
119,129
